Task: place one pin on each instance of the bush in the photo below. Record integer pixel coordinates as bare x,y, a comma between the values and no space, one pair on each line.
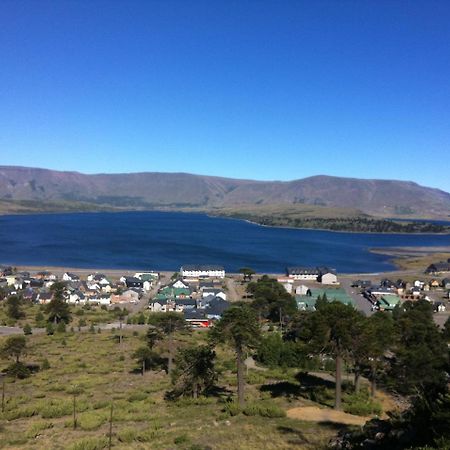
45,364
361,404
232,408
50,329
264,410
90,444
37,427
90,421
61,327
183,439
137,396
27,329
18,370
55,409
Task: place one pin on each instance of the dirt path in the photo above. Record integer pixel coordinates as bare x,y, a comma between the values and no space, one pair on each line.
315,414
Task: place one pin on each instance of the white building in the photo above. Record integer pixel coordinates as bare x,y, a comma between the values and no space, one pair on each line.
329,278
202,271
302,273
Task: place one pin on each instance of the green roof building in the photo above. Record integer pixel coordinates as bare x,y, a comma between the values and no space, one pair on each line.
308,301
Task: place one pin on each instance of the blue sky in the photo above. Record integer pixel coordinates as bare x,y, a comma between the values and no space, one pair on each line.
247,89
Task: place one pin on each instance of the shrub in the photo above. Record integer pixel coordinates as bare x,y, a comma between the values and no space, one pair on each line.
183,439
90,444
61,327
50,329
264,410
231,408
361,404
137,396
37,427
55,409
27,329
18,370
45,365
91,421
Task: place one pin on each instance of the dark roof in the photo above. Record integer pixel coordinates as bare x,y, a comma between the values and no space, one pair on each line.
201,267
194,314
217,306
302,271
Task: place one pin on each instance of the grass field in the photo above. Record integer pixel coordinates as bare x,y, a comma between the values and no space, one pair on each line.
38,409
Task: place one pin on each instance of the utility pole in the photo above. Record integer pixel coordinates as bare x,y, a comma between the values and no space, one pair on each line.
110,427
3,393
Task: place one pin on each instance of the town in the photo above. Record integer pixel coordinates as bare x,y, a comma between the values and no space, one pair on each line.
203,292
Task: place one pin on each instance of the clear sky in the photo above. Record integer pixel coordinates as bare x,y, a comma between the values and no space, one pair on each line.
248,89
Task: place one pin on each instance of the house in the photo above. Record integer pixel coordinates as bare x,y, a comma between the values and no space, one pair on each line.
446,283
180,284
161,305
416,291
303,273
439,307
147,276
44,297
388,302
76,298
301,289
202,271
196,318
288,287
129,296
362,284
308,301
216,307
212,291
184,304
132,282
328,277
439,267
435,284
68,276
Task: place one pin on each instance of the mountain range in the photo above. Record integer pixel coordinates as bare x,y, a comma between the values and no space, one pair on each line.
179,191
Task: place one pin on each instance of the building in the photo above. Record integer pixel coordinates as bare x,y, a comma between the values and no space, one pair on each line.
303,273
202,271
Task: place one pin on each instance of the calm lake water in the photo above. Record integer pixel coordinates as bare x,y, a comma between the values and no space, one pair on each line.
165,241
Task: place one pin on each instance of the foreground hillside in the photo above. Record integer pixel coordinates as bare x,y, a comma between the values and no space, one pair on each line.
39,410
149,190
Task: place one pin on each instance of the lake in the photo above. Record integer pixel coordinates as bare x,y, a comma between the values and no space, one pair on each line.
165,241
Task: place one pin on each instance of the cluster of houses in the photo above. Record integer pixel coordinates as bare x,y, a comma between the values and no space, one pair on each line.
96,289
198,293
388,294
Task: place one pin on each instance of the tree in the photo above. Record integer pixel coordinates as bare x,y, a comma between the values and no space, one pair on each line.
147,359
247,273
271,300
14,347
420,351
13,304
58,310
168,324
330,330
239,328
195,373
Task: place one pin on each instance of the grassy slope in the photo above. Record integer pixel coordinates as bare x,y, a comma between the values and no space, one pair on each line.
38,409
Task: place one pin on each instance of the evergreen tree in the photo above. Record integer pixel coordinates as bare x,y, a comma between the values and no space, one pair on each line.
58,310
195,373
239,328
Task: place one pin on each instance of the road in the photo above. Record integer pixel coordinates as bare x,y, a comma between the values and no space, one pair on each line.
362,304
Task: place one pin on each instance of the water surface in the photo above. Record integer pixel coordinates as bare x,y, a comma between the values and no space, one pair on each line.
165,241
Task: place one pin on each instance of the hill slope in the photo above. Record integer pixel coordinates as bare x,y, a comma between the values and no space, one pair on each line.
181,190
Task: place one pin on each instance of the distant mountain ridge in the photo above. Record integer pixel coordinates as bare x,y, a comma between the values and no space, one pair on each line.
152,190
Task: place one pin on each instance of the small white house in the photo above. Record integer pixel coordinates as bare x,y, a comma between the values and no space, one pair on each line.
301,289
329,278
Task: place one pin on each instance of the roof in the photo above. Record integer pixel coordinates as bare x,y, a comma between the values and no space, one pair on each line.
302,271
310,299
201,267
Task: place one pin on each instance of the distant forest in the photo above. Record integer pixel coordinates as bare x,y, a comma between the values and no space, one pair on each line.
355,224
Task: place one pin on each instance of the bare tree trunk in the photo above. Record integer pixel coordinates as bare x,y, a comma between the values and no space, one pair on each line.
170,356
195,391
143,366
373,383
240,377
338,397
357,379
